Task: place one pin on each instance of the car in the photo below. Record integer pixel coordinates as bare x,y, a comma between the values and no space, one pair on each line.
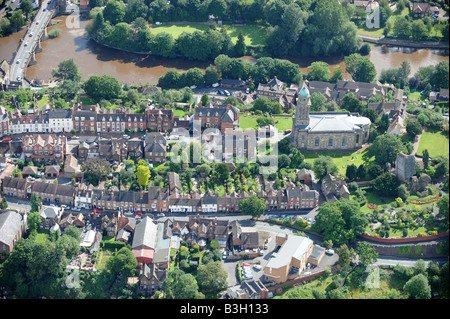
6,139
245,265
138,213
18,61
77,209
37,22
224,255
31,34
161,215
247,90
309,220
257,267
227,93
25,44
307,273
329,252
158,23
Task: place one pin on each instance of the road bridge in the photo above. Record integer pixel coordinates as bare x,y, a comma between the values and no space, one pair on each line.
29,45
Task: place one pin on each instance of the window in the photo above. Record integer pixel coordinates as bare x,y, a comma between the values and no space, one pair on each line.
357,139
317,142
344,141
330,141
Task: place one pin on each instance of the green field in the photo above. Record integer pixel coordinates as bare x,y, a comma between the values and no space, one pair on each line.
342,159
284,123
435,142
253,34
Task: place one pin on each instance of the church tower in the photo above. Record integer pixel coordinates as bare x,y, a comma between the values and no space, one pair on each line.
302,107
301,118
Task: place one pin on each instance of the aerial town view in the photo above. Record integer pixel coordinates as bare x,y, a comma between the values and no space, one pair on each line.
224,151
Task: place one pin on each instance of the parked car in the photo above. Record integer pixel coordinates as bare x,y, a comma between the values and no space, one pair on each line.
257,267
6,139
161,215
227,93
329,252
224,255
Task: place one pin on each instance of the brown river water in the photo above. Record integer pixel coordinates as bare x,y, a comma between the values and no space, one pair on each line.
95,59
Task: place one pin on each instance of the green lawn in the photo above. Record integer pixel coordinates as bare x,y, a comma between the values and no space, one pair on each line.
435,142
253,34
342,159
178,112
284,123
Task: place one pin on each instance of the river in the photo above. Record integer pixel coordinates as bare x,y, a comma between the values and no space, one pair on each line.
95,59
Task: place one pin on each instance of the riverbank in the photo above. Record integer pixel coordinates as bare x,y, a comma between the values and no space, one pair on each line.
405,43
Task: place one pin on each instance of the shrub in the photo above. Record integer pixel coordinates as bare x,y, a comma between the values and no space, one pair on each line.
54,33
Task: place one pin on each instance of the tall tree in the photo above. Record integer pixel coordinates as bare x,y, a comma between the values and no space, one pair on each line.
360,68
67,70
253,206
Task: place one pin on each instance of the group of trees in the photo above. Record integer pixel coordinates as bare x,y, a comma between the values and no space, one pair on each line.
294,28
418,29
16,19
226,67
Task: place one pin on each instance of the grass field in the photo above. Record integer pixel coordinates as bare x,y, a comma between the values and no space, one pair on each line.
342,159
283,124
435,142
253,34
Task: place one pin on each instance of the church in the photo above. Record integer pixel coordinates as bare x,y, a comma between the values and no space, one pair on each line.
326,131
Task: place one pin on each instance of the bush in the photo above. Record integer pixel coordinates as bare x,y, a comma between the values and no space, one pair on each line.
54,33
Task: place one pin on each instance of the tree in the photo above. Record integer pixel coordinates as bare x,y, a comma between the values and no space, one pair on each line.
351,172
211,76
385,147
103,87
212,276
419,30
386,184
221,174
96,169
321,166
142,175
114,12
402,28
360,68
361,172
179,285
123,263
345,255
67,70
318,101
4,204
367,253
440,75
413,127
33,221
329,31
318,71
425,158
35,202
253,206
17,20
443,205
26,7
417,287
240,47
205,99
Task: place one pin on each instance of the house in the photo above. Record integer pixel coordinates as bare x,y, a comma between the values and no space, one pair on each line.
68,219
71,168
244,237
174,183
306,176
50,215
136,149
12,226
215,116
290,258
273,89
29,171
15,186
367,6
159,120
44,147
151,278
52,170
155,152
420,9
253,289
144,241
234,84
334,188
60,120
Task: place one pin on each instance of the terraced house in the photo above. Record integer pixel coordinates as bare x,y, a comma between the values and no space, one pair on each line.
44,147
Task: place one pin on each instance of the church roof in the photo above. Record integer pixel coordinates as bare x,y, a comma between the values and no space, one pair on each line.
335,122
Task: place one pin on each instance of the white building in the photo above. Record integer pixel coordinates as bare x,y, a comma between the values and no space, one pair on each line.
60,120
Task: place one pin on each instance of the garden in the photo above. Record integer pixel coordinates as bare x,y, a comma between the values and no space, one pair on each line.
436,142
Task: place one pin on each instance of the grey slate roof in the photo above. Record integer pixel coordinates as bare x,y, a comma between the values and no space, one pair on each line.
145,234
10,224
